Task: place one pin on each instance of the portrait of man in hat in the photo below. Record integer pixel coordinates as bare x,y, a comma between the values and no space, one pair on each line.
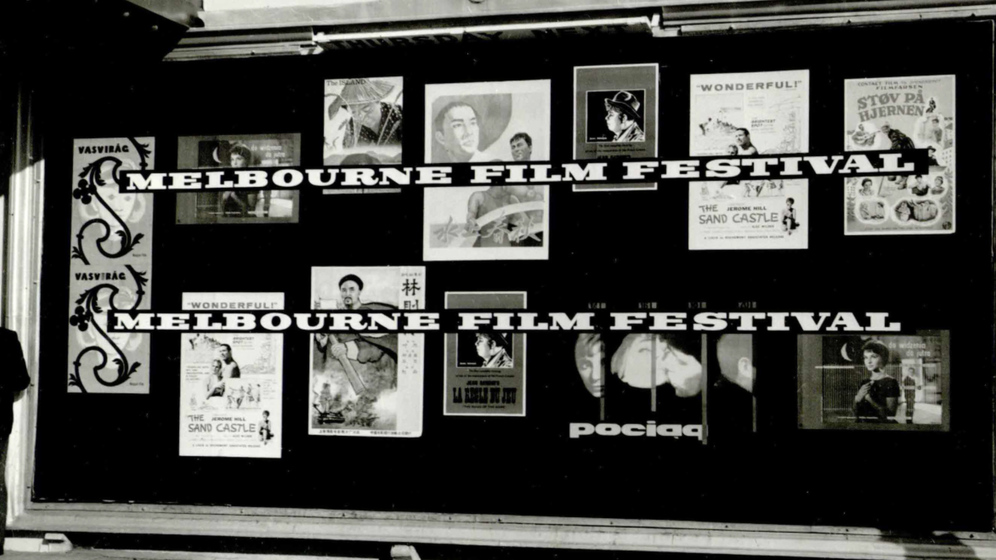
493,349
623,117
363,115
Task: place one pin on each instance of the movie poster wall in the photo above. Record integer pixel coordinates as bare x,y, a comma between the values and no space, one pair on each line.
652,380
231,384
484,372
110,267
366,384
901,114
749,114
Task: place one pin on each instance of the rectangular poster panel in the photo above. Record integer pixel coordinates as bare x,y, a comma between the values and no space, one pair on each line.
233,151
367,384
901,114
485,122
231,384
654,381
615,116
363,124
888,382
749,114
110,266
485,373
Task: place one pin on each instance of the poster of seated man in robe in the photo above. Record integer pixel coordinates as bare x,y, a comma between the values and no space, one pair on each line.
366,384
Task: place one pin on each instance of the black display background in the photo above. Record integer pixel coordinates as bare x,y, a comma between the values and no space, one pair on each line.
621,248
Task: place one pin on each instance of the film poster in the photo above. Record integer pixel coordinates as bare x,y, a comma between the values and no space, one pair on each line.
901,114
485,372
110,267
367,383
756,214
487,122
615,116
363,124
656,382
888,382
748,114
237,151
231,384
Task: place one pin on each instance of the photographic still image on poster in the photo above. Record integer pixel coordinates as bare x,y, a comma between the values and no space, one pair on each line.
485,372
901,114
731,366
235,151
637,378
615,116
487,121
367,384
363,121
486,223
484,350
749,113
897,382
111,266
755,214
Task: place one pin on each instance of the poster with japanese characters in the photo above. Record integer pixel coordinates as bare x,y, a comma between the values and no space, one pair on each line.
231,384
110,267
916,112
367,383
485,372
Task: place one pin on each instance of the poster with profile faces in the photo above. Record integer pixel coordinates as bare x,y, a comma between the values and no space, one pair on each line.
485,372
646,386
908,113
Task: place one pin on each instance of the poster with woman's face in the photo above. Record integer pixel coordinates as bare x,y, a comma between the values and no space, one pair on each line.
887,382
238,151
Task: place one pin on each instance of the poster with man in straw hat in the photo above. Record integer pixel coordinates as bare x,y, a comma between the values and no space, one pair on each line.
363,118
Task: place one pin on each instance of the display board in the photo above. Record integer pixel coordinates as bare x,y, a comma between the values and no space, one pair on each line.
889,429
